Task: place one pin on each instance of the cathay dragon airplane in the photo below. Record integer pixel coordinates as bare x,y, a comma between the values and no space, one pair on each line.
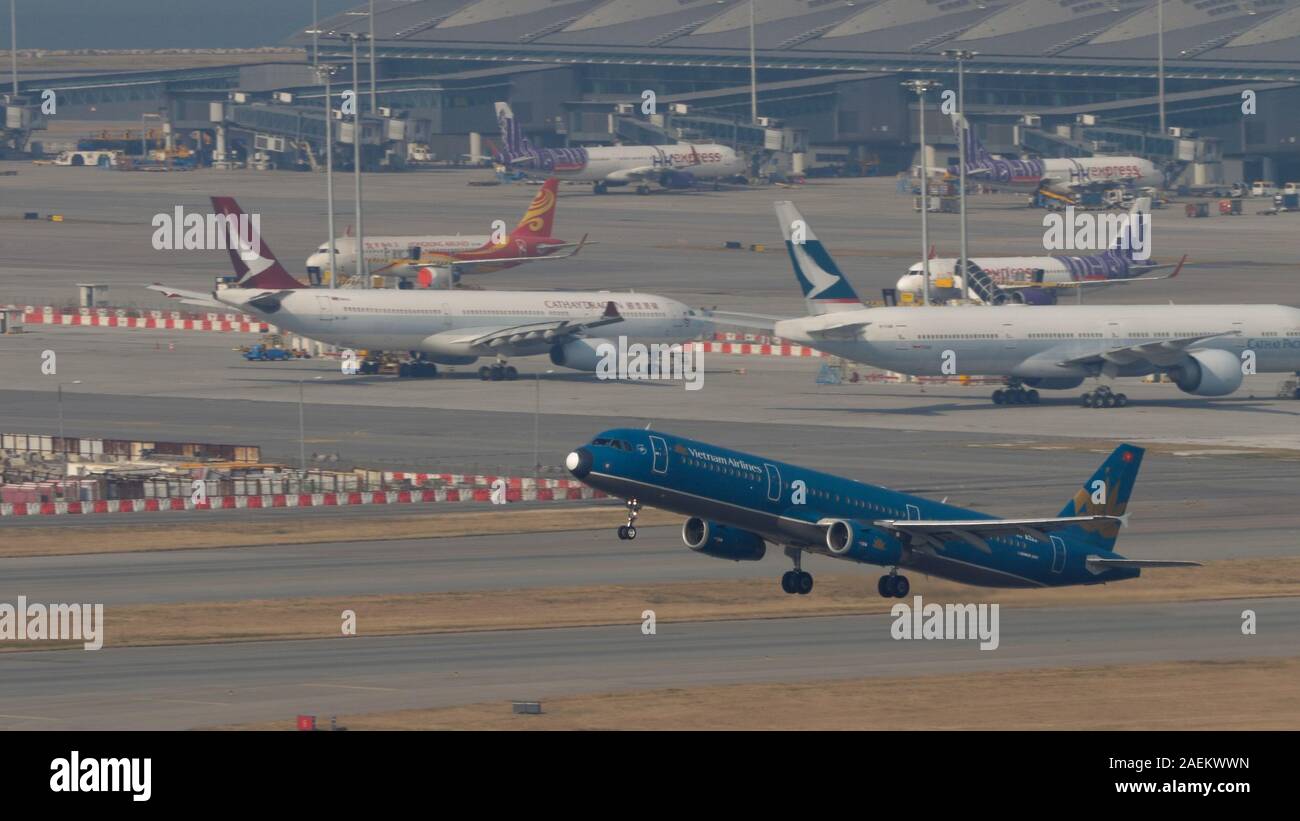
530,241
1038,280
446,327
1205,349
670,166
738,503
1062,177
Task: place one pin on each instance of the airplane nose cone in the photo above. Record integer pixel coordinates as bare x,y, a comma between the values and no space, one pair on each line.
579,463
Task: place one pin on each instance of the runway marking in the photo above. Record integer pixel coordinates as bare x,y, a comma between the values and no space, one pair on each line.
356,687
182,701
28,718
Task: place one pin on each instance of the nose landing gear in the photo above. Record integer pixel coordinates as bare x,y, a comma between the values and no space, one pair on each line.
627,532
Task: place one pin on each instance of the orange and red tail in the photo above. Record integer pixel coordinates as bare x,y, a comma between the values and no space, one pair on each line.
539,219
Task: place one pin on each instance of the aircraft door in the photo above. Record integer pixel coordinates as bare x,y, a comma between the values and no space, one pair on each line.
660,448
325,308
913,513
1058,554
773,482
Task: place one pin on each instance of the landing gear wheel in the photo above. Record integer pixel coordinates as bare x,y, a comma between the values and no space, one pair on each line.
787,582
999,398
901,587
484,373
886,586
643,190
1033,397
1121,400
511,373
630,530
599,188
803,583
622,532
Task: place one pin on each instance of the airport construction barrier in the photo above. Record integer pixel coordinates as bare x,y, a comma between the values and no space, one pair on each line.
143,320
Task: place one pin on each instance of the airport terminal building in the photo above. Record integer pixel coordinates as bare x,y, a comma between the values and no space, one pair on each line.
1044,77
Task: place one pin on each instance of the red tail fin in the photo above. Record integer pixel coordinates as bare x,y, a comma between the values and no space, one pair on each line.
540,216
253,268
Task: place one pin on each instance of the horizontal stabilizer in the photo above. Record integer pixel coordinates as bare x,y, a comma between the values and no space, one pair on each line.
1097,564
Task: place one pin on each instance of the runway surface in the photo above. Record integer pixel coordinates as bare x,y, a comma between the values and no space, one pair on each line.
182,687
558,559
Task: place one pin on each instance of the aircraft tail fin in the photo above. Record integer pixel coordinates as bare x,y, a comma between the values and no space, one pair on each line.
539,219
1106,493
254,264
514,144
823,284
976,153
1137,230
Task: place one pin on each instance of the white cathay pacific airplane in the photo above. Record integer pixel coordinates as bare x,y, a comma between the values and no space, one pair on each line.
1205,349
447,327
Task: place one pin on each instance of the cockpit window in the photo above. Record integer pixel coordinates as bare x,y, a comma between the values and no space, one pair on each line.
617,444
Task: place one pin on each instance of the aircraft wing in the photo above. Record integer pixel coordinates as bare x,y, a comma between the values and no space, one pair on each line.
1097,563
1177,269
977,531
761,322
641,172
187,297
1161,352
551,331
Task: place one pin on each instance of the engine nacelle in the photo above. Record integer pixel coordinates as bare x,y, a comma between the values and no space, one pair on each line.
847,539
437,276
580,354
722,542
1208,373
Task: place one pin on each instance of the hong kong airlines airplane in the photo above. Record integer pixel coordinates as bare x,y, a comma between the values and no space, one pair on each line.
738,503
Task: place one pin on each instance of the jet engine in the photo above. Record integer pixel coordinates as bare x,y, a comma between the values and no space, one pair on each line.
437,276
847,539
1208,373
722,542
580,354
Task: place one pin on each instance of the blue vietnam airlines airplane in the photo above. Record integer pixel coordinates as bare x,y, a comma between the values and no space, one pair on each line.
737,503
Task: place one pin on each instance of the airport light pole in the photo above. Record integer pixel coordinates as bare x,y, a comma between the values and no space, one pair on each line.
73,382
325,72
302,430
361,268
1160,60
13,46
373,99
315,33
920,87
537,426
961,56
753,70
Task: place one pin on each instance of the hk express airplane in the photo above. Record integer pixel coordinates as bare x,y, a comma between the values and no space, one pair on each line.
1205,349
1063,177
446,327
530,241
1038,280
670,166
738,502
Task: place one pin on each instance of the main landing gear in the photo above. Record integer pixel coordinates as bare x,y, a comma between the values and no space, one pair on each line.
628,531
643,189
893,586
1013,394
797,581
498,372
599,188
1103,397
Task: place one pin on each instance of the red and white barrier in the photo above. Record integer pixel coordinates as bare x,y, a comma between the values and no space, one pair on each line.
482,480
753,349
281,500
156,320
